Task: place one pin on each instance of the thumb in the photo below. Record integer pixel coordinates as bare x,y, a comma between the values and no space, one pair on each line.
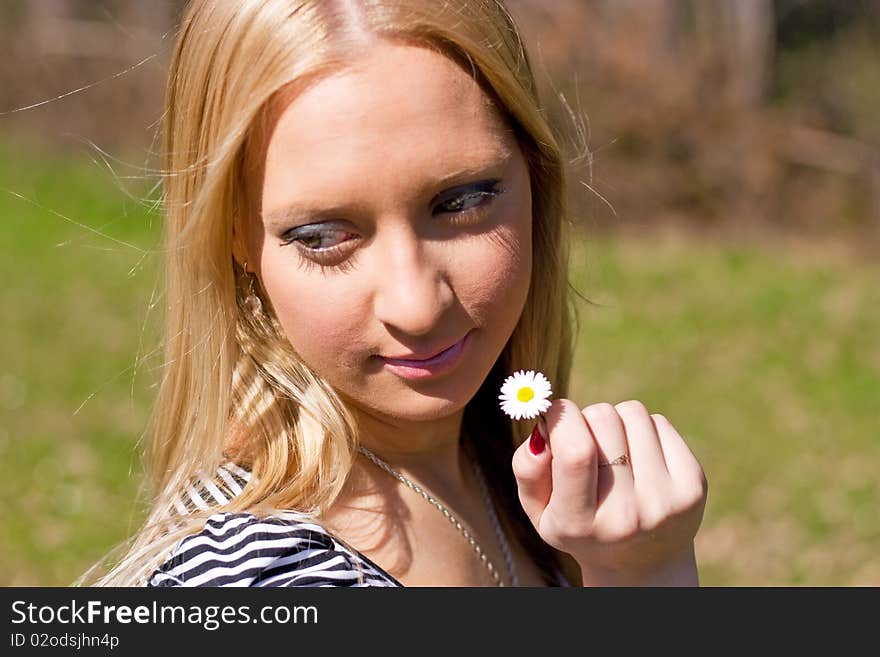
531,467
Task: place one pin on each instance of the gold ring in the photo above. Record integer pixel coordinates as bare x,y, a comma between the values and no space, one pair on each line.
623,459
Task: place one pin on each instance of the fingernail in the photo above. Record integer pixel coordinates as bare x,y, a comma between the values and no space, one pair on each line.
536,441
542,427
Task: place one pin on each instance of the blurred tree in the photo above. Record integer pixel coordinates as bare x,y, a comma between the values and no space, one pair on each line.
707,111
801,23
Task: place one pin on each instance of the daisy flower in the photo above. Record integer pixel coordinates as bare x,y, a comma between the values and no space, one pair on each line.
525,394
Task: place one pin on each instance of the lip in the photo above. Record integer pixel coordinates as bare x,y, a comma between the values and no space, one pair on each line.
440,363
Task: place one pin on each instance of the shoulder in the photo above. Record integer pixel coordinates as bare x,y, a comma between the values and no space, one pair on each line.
287,549
205,491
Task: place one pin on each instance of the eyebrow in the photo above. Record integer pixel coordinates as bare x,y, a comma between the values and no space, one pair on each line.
281,217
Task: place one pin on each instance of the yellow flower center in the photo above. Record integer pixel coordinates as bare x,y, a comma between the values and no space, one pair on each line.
524,394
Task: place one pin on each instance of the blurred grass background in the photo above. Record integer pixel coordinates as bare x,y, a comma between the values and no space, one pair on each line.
728,239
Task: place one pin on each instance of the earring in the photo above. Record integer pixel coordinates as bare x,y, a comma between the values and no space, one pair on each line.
252,301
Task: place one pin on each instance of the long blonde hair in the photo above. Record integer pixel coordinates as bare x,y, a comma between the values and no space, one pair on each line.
232,386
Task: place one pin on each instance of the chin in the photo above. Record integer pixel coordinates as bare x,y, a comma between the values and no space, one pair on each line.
421,400
417,401
416,407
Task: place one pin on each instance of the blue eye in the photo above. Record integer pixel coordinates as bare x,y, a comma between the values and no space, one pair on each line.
323,244
315,238
472,199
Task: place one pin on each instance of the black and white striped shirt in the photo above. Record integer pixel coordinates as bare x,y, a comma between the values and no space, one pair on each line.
242,549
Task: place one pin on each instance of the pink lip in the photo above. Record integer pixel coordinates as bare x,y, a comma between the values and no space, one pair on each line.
423,368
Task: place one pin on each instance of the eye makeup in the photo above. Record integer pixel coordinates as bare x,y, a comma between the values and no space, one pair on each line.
464,204
484,190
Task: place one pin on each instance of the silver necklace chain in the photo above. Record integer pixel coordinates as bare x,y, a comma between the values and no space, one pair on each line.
499,532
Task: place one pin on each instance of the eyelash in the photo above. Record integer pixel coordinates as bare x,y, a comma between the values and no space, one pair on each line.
486,191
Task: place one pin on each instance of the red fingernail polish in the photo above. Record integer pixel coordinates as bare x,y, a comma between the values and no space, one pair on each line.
536,442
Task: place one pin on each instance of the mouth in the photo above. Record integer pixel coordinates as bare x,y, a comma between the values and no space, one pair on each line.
418,366
419,358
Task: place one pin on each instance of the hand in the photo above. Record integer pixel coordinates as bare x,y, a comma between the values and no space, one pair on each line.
625,525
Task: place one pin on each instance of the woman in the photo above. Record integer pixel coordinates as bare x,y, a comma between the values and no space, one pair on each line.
365,224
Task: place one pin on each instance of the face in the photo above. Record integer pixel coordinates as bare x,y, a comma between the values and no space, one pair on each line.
395,221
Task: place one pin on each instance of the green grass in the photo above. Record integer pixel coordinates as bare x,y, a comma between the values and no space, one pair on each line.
72,401
768,364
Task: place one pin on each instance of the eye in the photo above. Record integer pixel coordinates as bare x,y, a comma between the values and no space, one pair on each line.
473,197
326,246
316,238
321,246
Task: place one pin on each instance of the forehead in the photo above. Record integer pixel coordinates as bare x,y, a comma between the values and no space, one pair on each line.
400,108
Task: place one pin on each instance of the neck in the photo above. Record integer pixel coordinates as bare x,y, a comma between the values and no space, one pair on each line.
429,452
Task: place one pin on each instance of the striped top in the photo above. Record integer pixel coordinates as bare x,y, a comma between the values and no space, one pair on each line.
241,549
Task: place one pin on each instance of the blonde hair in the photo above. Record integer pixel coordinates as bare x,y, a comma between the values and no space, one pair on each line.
232,386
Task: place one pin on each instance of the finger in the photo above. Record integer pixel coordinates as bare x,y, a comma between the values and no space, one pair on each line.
531,467
645,452
607,428
573,464
680,460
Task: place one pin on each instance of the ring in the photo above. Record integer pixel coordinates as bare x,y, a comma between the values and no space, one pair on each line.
623,459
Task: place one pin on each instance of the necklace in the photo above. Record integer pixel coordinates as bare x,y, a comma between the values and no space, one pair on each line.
505,548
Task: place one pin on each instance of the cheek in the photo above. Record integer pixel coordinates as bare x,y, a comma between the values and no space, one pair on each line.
499,271
322,323
493,283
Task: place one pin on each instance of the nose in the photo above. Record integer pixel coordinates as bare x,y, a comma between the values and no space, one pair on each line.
412,290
